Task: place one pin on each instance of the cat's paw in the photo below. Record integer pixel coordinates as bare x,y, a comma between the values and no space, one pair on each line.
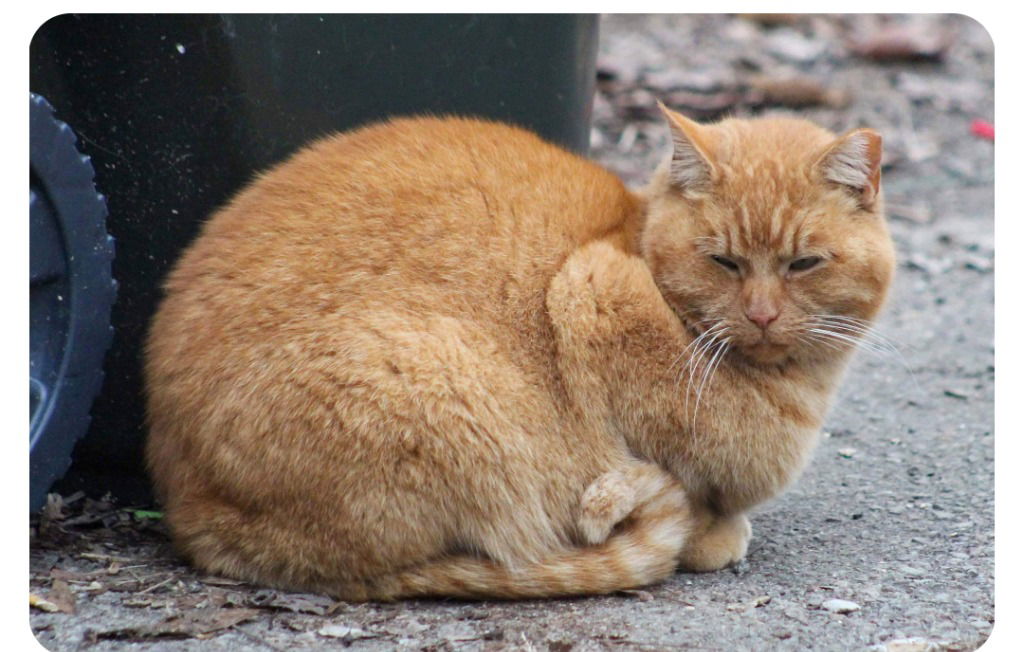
602,290
723,543
605,503
573,296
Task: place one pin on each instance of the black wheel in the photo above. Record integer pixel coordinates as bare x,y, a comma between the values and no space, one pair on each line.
70,296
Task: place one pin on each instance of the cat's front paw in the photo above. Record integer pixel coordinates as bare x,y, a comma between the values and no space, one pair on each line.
722,543
613,284
607,501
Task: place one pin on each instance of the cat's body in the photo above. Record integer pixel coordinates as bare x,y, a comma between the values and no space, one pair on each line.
430,357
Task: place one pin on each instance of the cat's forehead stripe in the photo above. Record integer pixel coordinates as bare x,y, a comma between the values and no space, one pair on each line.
764,225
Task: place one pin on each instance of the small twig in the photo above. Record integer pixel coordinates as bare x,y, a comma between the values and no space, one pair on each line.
657,646
158,585
74,498
101,557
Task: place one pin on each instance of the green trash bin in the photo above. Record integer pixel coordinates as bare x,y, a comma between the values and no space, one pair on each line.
178,112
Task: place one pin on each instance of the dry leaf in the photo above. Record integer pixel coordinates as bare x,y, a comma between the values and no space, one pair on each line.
200,623
61,595
902,43
42,604
795,92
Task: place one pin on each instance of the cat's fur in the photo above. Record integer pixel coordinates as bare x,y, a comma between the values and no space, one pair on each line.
442,357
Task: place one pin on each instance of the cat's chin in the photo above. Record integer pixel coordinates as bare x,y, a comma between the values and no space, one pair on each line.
766,354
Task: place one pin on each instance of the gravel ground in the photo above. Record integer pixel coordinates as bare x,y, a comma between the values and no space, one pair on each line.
885,543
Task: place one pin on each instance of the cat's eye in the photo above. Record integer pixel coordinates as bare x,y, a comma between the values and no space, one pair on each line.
727,263
804,264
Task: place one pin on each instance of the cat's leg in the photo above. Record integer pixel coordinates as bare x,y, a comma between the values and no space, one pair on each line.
717,541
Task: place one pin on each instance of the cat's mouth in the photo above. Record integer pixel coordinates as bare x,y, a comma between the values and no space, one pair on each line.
765,348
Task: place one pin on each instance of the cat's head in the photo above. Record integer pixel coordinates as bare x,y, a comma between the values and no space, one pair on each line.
768,232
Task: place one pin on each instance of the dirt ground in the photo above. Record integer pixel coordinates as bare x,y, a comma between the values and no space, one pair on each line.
886,542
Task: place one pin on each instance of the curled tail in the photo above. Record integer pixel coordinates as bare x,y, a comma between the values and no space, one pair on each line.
642,550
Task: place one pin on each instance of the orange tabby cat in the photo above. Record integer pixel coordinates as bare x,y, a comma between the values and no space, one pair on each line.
442,357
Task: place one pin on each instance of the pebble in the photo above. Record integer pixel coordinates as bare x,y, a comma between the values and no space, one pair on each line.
791,45
344,632
837,606
910,571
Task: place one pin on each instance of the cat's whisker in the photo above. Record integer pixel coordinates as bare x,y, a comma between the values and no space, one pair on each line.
709,373
696,345
857,326
691,344
707,366
867,336
866,330
698,357
698,353
849,339
682,353
811,338
848,319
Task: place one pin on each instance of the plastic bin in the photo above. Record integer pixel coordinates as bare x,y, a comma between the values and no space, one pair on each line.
178,112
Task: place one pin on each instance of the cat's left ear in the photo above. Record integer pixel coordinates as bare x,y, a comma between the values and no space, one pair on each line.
691,167
854,160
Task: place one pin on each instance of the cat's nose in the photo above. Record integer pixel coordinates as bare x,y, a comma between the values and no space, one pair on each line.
762,300
762,316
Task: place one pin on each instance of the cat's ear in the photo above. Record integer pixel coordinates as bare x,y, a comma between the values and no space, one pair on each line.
854,160
691,167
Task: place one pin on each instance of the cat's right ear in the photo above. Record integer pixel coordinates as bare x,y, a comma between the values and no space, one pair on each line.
854,160
691,167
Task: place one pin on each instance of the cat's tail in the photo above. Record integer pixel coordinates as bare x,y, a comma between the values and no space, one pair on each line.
643,549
